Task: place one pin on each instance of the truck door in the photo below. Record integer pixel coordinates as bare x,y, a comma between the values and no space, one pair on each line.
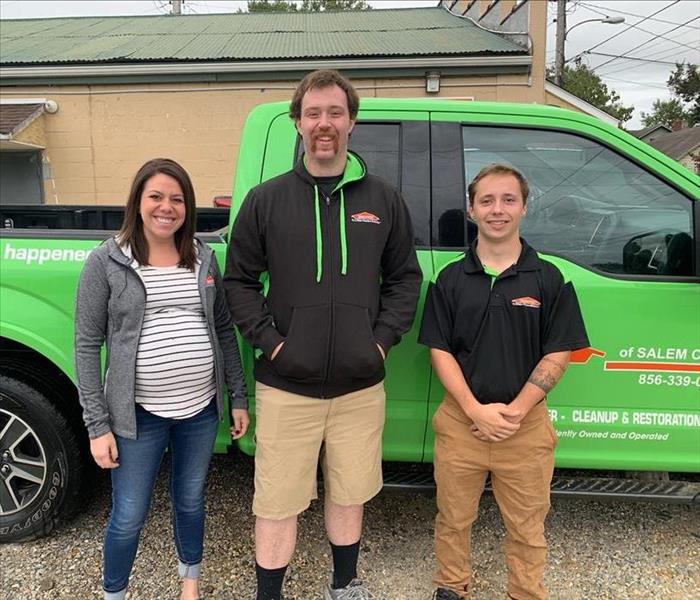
395,146
619,223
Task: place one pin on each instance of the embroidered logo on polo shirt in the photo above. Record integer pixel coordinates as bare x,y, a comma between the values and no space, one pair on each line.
365,217
526,301
209,280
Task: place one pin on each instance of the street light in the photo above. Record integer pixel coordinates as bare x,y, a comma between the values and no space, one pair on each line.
606,20
562,32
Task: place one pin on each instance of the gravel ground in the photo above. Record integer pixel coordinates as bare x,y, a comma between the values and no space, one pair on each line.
597,550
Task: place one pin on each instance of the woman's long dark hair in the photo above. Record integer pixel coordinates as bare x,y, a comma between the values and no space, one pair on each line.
132,227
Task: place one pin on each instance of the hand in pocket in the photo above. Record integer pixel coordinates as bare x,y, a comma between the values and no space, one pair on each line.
276,351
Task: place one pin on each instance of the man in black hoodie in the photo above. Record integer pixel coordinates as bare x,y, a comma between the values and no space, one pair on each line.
337,245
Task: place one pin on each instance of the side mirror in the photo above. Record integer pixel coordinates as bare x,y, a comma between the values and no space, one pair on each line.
659,253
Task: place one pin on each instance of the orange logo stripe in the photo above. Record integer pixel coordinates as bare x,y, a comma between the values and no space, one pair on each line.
652,366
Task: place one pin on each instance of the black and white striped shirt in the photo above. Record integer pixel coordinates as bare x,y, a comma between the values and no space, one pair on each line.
174,361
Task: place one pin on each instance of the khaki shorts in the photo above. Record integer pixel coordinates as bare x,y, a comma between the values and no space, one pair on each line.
292,432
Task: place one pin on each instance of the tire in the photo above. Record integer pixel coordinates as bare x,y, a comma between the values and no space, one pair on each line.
40,464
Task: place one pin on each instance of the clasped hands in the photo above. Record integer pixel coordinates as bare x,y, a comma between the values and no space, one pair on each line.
495,422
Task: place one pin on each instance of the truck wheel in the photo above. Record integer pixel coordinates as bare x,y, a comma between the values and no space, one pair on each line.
40,467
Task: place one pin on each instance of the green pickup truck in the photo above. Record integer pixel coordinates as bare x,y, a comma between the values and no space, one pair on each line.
619,219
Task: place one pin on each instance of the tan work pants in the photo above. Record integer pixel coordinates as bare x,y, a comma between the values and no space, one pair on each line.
521,470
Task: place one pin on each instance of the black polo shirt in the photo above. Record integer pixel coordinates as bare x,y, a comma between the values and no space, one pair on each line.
499,328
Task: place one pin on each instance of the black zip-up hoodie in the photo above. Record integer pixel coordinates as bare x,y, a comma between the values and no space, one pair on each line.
342,277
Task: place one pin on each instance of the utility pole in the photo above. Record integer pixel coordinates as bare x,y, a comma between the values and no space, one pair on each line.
177,7
561,39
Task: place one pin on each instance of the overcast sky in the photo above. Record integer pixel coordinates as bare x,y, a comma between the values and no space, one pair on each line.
666,31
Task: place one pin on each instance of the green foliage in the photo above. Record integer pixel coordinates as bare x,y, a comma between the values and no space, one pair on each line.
684,84
584,83
320,5
665,112
258,6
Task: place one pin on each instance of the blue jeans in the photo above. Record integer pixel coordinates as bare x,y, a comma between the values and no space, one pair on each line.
190,442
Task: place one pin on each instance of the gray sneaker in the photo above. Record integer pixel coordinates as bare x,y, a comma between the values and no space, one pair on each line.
355,590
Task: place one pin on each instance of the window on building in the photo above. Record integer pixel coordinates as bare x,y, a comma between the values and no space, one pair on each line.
21,181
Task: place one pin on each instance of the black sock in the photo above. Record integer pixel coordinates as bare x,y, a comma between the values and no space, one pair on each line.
344,564
269,582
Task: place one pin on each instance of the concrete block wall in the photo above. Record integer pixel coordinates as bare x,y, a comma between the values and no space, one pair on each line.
102,134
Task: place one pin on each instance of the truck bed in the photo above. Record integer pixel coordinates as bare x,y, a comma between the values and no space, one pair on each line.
102,218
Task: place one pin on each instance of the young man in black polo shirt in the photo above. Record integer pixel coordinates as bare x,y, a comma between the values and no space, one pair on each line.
501,324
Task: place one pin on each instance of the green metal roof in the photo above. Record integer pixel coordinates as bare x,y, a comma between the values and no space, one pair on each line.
408,32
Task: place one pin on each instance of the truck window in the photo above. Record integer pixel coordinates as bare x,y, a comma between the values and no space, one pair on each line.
398,152
378,145
588,203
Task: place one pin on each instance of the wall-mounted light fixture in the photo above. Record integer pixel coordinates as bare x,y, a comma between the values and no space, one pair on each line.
432,82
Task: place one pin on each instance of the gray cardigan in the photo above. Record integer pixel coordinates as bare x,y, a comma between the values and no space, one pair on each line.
110,307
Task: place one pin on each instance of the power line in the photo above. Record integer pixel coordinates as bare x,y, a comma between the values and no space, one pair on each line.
658,40
621,12
658,56
632,58
570,10
637,23
572,6
656,53
662,37
644,43
661,42
203,7
206,7
628,67
229,8
160,6
662,53
643,84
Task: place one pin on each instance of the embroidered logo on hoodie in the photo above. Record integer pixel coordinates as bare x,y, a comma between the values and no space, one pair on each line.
526,301
365,217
